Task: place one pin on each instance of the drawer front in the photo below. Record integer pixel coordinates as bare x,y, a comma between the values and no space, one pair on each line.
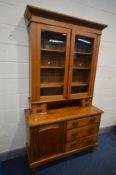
81,132
81,143
83,122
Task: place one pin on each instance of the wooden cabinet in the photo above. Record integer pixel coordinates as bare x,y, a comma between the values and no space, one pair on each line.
61,120
61,132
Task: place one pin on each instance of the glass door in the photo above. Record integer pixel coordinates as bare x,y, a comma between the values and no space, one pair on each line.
54,59
81,61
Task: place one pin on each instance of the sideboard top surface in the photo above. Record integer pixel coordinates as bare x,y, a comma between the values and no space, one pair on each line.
58,115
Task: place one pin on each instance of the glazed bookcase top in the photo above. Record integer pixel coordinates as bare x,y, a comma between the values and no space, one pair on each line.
35,11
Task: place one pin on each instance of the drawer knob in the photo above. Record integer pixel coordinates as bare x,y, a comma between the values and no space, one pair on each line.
39,110
75,124
89,142
92,120
73,146
90,130
74,136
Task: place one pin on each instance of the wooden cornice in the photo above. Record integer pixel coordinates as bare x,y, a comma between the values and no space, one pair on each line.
35,11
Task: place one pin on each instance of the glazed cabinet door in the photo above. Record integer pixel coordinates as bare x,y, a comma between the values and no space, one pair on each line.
48,140
82,64
53,60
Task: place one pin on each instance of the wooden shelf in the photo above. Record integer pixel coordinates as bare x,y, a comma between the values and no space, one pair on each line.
48,85
52,50
79,84
83,53
51,67
87,68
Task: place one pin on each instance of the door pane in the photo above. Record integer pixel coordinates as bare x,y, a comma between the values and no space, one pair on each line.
53,53
82,64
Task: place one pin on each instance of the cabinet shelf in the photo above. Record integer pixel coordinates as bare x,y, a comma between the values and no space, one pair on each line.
79,84
50,85
51,67
83,53
53,50
81,68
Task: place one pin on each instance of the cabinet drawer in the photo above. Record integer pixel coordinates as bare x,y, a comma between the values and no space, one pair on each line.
81,143
82,122
74,134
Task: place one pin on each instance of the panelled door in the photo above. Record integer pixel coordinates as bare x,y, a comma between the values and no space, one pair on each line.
54,44
48,140
82,64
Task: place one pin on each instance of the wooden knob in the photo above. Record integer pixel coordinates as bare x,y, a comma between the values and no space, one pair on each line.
75,124
74,146
74,136
92,120
90,130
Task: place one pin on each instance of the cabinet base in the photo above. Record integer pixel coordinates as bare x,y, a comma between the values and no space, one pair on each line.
41,162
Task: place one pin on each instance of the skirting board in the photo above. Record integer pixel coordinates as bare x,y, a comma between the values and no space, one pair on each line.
22,151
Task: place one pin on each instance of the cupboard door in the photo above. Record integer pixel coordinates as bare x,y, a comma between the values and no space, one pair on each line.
48,140
82,60
54,45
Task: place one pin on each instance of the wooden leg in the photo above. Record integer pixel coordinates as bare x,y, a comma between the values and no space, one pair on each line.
33,170
92,149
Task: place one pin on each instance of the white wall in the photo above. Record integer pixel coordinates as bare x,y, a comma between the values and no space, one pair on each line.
14,62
